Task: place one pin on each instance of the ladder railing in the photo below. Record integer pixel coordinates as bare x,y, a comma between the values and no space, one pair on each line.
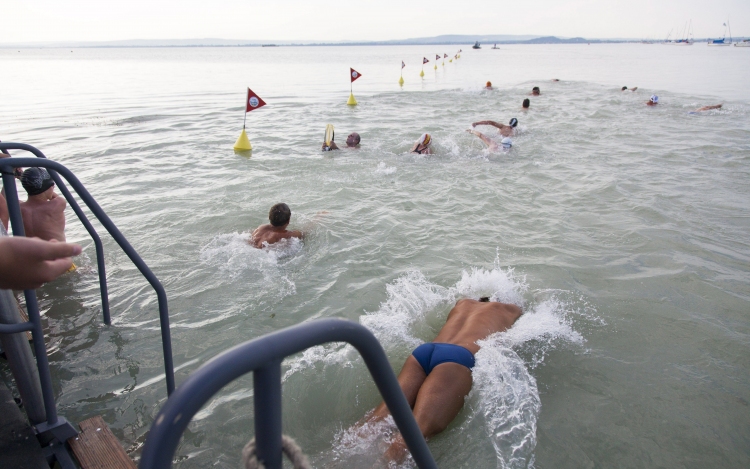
263,356
55,169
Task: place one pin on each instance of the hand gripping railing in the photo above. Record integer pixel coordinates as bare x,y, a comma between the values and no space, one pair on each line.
6,167
263,357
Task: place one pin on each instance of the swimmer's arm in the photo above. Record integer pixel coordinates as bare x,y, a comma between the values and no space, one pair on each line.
706,108
492,123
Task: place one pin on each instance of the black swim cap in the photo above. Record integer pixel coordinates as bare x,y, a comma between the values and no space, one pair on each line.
36,181
513,122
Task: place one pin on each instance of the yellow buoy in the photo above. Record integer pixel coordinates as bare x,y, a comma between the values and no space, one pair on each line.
421,74
401,81
451,60
435,67
242,143
352,101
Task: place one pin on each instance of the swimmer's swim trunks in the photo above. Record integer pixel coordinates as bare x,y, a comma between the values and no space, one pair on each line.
432,354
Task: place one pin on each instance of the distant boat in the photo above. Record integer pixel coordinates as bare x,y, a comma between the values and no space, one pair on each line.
745,43
269,45
495,47
722,41
476,45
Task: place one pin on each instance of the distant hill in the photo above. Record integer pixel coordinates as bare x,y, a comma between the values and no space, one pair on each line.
457,39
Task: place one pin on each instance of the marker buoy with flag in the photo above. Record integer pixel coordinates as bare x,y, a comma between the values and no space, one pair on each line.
401,80
444,57
437,57
353,74
424,61
252,102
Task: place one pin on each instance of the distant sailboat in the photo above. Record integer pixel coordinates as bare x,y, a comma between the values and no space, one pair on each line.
476,45
687,39
722,41
745,43
495,47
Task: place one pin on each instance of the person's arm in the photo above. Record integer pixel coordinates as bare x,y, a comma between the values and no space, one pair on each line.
492,123
27,263
4,215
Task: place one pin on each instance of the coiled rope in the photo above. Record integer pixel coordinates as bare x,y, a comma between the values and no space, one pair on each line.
288,447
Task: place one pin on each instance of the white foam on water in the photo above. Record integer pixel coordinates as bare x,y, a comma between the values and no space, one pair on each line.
384,169
409,299
237,260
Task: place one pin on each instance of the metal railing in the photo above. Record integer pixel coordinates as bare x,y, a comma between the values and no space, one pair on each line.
55,169
263,357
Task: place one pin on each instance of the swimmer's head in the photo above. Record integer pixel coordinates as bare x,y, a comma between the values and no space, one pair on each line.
513,122
624,88
535,90
352,140
425,140
279,215
526,103
36,181
654,99
507,142
488,85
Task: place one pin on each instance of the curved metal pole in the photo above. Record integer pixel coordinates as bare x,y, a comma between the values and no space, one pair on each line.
81,216
7,163
262,352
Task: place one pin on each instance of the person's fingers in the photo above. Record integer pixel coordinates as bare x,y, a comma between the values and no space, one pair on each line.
58,250
57,267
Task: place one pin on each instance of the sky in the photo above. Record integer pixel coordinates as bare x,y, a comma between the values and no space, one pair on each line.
27,21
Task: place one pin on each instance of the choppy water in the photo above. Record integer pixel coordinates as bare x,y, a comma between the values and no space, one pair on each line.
621,229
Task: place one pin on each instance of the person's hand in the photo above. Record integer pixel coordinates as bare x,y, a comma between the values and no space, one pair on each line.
27,263
473,124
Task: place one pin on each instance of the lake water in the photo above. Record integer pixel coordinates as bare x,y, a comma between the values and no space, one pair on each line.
621,229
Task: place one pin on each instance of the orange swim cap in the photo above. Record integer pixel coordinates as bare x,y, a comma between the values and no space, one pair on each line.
489,84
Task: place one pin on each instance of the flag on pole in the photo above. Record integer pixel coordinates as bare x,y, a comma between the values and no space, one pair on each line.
424,60
445,56
403,64
355,74
253,101
437,57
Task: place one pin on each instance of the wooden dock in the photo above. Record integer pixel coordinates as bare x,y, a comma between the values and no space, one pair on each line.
96,447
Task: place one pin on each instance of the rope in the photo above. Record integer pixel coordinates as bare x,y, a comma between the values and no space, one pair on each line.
288,447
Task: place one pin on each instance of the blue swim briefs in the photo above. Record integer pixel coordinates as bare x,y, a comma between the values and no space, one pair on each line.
432,354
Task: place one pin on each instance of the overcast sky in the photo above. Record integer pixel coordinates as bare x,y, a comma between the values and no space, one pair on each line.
360,20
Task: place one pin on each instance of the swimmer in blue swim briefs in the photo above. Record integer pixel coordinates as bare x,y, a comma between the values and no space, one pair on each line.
437,375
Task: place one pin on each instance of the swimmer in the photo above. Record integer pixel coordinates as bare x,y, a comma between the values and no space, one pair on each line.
422,146
708,108
274,232
505,130
436,377
653,101
488,86
555,79
352,141
43,212
625,88
535,91
526,103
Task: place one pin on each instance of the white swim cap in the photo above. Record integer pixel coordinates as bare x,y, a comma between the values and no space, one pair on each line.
507,142
654,98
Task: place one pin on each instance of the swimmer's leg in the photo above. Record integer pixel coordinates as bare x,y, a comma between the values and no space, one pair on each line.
438,402
483,137
410,379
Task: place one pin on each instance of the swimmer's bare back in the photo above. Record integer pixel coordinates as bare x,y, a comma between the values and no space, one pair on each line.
271,234
471,320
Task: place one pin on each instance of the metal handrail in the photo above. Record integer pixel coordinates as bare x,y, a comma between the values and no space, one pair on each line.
81,216
263,357
6,167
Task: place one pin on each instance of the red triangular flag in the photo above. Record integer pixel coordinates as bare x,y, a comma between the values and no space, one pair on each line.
253,101
445,56
355,74
437,57
424,60
403,64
